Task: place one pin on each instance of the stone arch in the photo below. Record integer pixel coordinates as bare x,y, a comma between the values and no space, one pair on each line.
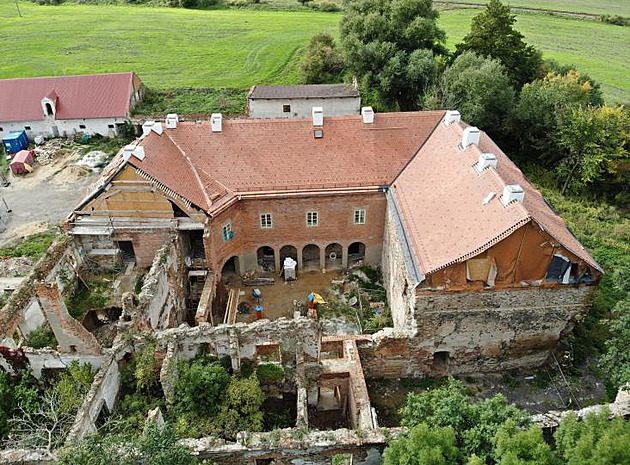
356,253
266,258
333,250
310,257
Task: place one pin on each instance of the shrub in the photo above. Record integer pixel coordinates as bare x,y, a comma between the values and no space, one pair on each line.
32,246
41,337
270,373
615,19
200,387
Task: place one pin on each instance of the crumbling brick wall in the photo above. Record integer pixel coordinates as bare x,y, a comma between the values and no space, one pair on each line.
162,301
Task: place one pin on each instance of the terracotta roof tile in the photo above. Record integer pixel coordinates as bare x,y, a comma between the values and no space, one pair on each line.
440,196
278,155
77,97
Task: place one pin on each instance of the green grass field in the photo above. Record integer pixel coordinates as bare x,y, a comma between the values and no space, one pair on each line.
598,7
171,47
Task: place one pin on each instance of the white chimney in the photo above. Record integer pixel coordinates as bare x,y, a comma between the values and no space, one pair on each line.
452,116
216,122
146,127
512,193
318,116
486,160
157,128
171,121
367,113
471,136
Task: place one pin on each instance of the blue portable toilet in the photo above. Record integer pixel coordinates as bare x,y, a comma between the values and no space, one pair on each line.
15,141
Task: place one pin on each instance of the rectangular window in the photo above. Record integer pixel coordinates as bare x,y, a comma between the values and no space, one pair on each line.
110,126
312,219
359,216
28,128
286,108
228,234
265,220
81,126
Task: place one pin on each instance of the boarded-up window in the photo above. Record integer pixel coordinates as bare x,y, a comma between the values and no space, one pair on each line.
481,269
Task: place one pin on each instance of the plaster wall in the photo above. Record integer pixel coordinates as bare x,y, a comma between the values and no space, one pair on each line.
302,108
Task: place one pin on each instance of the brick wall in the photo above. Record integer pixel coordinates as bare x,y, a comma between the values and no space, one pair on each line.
336,225
145,244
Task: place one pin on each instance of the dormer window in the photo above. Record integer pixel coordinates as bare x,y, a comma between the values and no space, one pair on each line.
49,104
49,109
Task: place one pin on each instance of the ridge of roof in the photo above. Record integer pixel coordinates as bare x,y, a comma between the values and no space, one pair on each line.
305,91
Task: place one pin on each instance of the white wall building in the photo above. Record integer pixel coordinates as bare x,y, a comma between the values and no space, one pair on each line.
69,105
298,101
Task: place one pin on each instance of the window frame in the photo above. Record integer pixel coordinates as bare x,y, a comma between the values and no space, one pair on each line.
362,214
312,219
266,220
227,233
286,108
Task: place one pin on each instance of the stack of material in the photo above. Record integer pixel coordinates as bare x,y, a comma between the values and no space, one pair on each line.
289,269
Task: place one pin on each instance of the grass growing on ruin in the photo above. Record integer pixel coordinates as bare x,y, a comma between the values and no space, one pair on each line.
190,101
92,292
32,246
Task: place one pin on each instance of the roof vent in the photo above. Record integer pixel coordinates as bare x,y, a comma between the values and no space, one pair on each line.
318,116
512,193
136,151
367,113
146,127
471,136
216,122
149,126
486,160
452,116
171,121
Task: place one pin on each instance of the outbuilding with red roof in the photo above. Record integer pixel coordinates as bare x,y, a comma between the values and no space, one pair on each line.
67,105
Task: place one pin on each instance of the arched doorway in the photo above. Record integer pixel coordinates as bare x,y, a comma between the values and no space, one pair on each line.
288,251
230,270
356,253
266,258
333,256
310,257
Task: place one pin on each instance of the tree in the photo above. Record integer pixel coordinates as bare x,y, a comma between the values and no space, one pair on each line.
534,121
74,384
200,387
423,446
492,35
594,441
616,360
476,86
323,63
241,410
6,402
515,446
475,424
389,45
595,140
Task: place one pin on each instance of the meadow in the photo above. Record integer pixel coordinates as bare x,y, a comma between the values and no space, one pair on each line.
597,7
174,48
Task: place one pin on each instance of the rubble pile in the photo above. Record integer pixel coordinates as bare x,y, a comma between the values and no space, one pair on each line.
54,149
15,266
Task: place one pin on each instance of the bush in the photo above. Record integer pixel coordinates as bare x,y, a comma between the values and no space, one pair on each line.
32,246
322,63
200,387
325,6
41,337
270,373
615,19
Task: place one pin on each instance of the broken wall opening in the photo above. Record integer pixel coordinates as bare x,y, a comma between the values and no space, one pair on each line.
356,253
332,409
266,257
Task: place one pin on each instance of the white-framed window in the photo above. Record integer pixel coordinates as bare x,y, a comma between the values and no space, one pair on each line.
227,232
359,216
265,221
312,219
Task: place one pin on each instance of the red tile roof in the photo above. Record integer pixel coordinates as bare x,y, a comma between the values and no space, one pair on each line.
440,195
279,155
78,97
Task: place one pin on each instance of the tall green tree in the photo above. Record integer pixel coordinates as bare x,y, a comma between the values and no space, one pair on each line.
423,446
475,424
594,441
492,34
476,86
200,387
323,62
534,121
241,410
596,141
516,446
389,45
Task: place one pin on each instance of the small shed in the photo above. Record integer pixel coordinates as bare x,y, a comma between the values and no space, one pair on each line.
15,141
22,162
